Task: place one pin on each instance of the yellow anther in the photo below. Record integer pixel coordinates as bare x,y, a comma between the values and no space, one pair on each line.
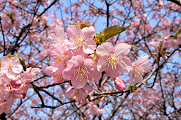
113,60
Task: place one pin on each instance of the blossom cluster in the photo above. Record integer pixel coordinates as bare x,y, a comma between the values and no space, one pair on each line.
73,53
13,83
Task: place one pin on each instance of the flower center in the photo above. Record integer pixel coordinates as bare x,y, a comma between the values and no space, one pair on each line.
10,67
139,69
57,39
79,93
60,58
58,77
113,60
81,72
79,41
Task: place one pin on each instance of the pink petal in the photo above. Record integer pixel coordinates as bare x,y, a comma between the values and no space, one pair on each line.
102,63
104,49
122,49
75,61
69,92
79,81
55,50
14,61
50,70
73,31
141,60
10,74
5,61
35,70
88,88
138,77
125,65
111,72
88,32
59,31
68,73
94,75
17,69
89,63
131,74
89,46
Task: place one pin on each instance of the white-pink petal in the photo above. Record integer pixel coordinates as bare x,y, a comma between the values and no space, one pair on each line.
104,49
88,32
122,49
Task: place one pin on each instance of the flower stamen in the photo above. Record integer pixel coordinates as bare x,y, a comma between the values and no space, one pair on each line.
113,60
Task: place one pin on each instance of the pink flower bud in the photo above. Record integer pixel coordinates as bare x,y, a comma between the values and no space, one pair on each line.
13,83
23,95
120,84
18,82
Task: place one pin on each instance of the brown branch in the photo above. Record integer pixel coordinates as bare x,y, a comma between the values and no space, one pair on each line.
175,1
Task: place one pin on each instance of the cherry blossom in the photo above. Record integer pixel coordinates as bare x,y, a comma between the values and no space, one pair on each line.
94,109
79,70
60,55
113,60
10,66
81,39
81,93
57,36
142,65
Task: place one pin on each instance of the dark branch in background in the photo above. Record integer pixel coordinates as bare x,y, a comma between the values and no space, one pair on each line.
116,108
176,2
3,116
107,12
3,37
48,7
16,45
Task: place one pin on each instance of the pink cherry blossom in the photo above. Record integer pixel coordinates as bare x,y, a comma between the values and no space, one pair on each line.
112,59
10,67
79,93
5,107
146,97
142,65
30,73
94,109
3,92
57,36
60,55
4,79
55,73
15,93
81,39
79,70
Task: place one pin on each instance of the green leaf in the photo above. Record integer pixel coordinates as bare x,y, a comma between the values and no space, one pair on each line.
99,38
108,33
11,56
132,87
178,32
22,62
160,45
159,35
112,31
81,25
175,36
9,15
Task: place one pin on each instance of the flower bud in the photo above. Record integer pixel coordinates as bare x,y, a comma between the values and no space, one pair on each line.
13,83
18,82
23,95
120,84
